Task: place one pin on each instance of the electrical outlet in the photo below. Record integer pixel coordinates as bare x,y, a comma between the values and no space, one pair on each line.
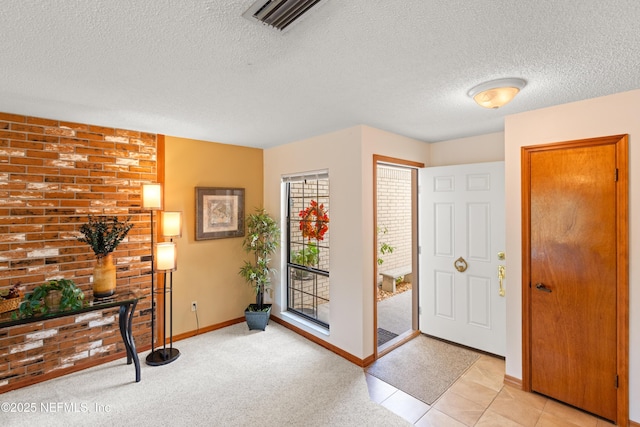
194,305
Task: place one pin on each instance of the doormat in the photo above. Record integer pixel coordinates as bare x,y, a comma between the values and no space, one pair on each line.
384,336
423,367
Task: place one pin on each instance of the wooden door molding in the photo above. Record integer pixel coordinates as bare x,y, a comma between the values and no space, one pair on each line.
622,267
414,166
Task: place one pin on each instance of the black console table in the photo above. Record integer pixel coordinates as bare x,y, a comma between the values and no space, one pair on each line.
127,302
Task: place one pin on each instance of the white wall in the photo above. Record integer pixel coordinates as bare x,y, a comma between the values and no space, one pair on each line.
348,155
376,141
475,149
610,115
339,152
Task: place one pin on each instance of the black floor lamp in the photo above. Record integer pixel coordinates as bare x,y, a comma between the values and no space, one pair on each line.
166,261
163,258
152,201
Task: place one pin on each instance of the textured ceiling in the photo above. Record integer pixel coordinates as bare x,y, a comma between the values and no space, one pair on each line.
197,69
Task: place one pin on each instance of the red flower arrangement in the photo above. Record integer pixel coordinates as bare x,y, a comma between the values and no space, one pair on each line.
314,220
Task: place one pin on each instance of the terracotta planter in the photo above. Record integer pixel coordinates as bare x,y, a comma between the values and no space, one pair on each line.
104,277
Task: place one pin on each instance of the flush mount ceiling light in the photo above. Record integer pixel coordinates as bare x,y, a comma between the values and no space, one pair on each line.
496,93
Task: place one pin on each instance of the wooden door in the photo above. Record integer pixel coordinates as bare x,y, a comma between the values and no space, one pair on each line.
574,275
462,218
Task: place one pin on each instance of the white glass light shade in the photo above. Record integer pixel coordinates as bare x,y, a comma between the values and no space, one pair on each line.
166,258
152,196
171,224
496,93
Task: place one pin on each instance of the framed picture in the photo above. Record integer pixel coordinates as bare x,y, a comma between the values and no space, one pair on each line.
219,213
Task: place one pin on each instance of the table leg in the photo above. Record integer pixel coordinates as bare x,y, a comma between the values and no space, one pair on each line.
125,319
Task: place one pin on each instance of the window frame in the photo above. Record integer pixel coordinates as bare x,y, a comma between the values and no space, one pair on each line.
316,274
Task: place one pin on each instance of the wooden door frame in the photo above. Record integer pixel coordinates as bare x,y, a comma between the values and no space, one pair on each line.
622,237
414,166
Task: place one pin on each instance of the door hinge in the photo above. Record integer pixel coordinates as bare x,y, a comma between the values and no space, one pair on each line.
616,175
419,310
617,381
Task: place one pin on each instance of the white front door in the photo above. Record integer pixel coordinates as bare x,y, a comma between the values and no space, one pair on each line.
462,226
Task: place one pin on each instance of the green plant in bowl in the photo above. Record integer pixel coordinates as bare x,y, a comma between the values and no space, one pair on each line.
35,302
307,256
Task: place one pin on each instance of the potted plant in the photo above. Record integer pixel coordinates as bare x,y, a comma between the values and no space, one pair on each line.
307,256
103,234
261,239
42,299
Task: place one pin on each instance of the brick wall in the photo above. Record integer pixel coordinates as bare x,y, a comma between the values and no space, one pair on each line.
53,174
394,214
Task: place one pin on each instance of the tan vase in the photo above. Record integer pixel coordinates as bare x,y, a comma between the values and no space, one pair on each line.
104,277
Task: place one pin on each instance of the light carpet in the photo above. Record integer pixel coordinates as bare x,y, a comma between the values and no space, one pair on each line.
424,367
228,377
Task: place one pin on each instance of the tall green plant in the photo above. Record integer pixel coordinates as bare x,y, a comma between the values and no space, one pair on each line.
261,239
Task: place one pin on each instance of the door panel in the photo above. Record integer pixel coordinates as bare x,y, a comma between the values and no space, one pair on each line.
479,290
462,215
479,227
444,217
445,296
574,276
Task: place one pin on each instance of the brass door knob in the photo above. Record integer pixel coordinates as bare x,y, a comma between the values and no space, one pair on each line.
460,264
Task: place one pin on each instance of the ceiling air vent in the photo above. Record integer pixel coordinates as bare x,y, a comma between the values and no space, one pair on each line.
279,14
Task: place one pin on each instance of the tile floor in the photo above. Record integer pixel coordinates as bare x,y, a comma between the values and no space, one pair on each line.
480,398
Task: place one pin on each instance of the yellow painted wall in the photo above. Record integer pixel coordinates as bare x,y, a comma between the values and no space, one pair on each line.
208,270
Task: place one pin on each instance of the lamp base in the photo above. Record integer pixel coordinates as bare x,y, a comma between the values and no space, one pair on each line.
162,356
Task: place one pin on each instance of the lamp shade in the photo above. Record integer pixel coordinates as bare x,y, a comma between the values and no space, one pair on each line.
496,93
166,257
171,224
152,196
